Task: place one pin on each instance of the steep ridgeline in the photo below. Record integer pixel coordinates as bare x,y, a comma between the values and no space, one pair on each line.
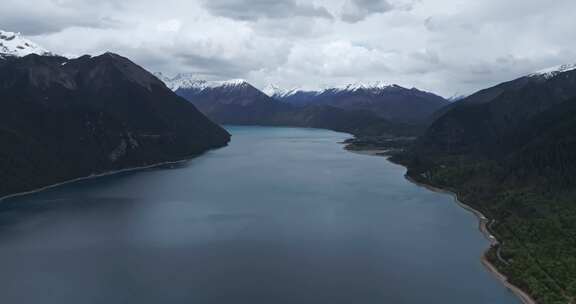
238,102
488,121
510,151
391,102
62,119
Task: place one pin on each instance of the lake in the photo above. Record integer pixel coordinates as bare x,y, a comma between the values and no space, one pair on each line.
281,215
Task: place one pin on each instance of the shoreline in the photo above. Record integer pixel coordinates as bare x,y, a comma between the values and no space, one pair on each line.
483,227
483,223
93,176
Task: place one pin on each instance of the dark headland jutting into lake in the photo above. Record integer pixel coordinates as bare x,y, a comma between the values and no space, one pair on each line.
281,215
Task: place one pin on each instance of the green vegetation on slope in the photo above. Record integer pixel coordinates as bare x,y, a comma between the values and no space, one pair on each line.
510,152
536,223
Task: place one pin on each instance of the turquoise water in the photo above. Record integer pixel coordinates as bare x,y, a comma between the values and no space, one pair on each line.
281,215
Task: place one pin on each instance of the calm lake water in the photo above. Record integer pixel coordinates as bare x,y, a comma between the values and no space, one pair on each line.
282,215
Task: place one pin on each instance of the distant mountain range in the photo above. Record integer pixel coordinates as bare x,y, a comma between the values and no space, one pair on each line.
62,118
397,110
391,102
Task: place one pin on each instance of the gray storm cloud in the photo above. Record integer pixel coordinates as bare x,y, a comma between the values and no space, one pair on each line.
256,9
358,10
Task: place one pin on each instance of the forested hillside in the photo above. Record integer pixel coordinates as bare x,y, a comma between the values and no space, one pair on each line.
510,152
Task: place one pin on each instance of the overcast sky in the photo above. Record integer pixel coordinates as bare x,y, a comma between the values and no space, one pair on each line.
445,46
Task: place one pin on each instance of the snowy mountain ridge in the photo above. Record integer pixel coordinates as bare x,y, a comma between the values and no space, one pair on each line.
191,81
279,92
553,71
276,91
13,44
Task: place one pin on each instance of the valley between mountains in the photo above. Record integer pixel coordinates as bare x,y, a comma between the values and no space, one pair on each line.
508,151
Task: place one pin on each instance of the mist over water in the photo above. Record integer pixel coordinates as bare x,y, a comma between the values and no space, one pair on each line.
282,215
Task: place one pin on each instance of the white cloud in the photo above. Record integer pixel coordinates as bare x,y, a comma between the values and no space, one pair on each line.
447,46
172,25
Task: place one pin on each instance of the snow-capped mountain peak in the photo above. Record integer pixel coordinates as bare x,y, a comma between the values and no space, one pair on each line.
192,81
229,83
180,81
378,85
553,71
273,90
13,44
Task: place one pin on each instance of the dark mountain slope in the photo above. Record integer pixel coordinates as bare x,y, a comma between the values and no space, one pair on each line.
62,119
510,151
357,122
544,150
483,122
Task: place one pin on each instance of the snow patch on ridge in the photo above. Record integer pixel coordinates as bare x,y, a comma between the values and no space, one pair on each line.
191,81
378,85
553,71
13,44
276,91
